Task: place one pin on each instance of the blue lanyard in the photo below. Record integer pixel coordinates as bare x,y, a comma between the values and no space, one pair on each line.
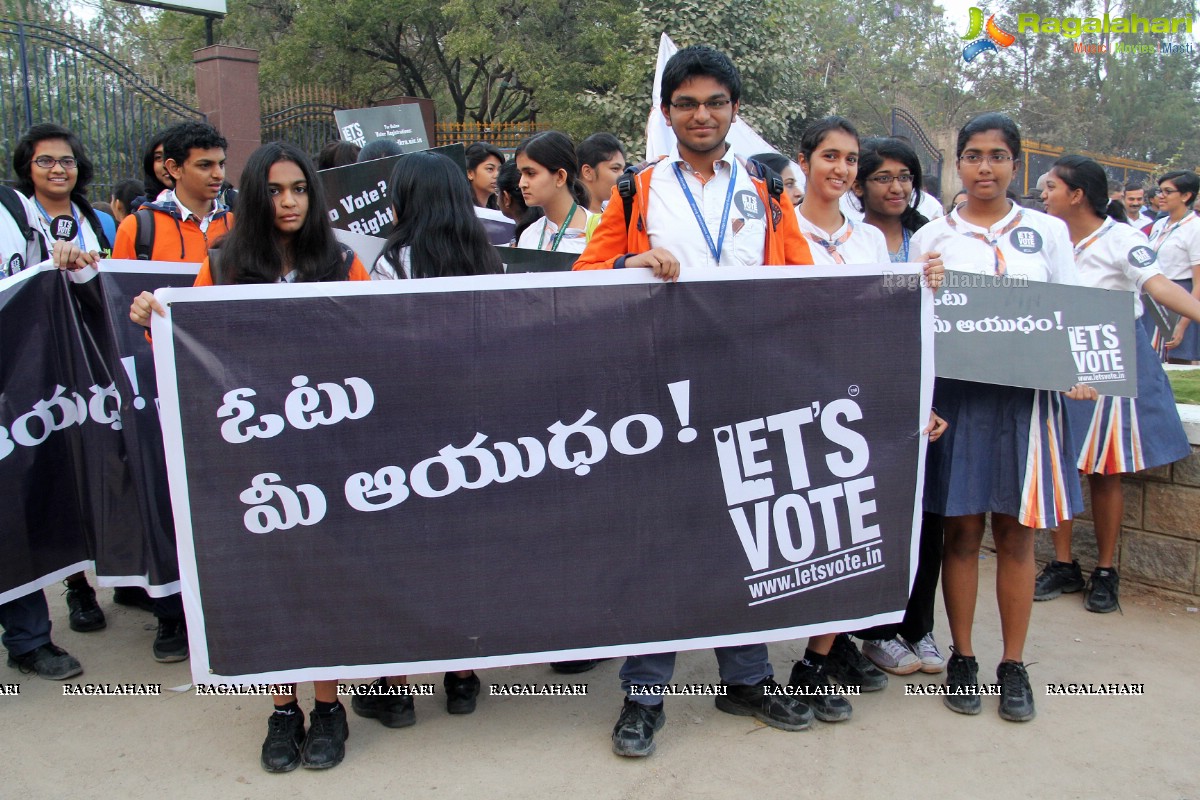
49,221
714,249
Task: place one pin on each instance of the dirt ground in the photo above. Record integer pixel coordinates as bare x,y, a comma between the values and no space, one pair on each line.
183,746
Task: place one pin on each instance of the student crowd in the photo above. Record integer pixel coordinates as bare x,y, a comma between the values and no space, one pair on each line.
1014,453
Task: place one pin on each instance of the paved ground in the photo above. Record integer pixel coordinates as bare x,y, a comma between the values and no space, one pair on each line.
182,746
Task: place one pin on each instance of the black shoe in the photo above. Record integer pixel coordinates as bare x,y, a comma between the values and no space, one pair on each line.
848,666
325,745
633,735
1102,591
460,693
576,667
85,615
285,736
1016,696
134,597
171,643
48,661
786,712
962,683
392,710
1057,578
819,695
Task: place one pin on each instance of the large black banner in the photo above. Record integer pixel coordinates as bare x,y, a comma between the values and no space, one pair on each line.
81,455
411,476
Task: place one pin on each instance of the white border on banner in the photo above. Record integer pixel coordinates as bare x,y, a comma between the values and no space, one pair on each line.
162,332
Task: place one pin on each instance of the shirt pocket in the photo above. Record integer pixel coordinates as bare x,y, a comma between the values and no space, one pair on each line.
747,242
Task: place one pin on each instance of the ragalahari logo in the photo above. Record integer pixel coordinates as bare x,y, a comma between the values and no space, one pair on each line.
992,35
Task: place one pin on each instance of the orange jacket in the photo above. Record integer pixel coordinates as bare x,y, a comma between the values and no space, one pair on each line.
612,242
175,239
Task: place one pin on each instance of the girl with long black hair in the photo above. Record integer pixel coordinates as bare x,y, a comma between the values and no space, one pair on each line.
282,235
550,180
1114,435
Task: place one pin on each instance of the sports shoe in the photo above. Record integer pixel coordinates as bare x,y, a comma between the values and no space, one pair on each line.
1057,578
48,661
846,665
460,693
85,615
890,655
285,736
171,642
633,735
134,597
962,681
786,712
932,660
1016,696
826,705
392,710
325,745
1101,594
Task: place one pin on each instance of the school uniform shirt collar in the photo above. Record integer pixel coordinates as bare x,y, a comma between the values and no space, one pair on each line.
725,162
996,226
185,212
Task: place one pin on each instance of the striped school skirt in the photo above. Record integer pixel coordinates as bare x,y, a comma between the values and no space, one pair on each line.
1120,434
1008,450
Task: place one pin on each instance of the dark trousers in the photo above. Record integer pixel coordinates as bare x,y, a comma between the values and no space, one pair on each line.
26,623
918,615
169,607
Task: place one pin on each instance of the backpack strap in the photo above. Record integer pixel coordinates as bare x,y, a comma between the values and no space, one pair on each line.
143,240
770,177
93,219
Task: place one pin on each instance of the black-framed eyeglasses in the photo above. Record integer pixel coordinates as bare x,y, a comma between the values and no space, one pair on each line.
48,162
975,159
689,106
1163,190
886,180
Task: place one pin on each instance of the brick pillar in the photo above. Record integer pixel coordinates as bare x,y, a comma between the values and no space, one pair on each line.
227,90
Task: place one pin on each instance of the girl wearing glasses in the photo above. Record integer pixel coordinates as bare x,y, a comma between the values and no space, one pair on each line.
53,171
888,170
1175,238
1008,450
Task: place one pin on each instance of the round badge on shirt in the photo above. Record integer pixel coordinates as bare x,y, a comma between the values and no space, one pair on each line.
15,264
1142,256
1027,240
750,204
63,228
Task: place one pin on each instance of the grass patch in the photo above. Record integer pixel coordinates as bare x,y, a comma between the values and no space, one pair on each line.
1186,385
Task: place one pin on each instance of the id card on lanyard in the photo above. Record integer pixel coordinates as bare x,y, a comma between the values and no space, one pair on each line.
716,248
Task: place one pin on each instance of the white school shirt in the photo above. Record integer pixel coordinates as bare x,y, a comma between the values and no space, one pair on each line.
1178,247
1038,247
384,270
16,252
1116,257
573,241
671,225
90,241
865,244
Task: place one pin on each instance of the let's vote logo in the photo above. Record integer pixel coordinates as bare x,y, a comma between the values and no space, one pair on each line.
984,37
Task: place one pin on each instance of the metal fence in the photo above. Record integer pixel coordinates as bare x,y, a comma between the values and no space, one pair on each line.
302,116
52,74
905,125
504,135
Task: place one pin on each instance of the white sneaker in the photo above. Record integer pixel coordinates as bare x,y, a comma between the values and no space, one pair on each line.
890,655
932,660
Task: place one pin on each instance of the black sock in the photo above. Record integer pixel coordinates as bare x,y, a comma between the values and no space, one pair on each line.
325,708
288,708
813,659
